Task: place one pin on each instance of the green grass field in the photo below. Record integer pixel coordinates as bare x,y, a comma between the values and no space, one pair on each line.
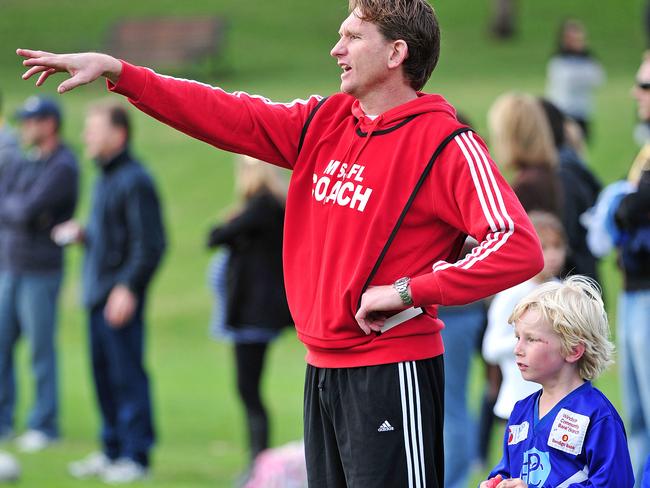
277,48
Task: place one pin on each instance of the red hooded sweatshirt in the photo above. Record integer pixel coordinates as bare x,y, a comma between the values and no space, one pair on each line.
352,177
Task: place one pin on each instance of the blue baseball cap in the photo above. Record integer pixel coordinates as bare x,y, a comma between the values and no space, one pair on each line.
39,107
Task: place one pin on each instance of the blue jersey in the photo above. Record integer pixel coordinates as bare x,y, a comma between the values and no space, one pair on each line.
581,442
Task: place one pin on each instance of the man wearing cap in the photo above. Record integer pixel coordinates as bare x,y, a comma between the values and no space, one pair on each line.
36,193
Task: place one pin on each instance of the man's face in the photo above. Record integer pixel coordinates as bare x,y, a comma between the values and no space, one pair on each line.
575,39
362,52
34,130
102,139
641,91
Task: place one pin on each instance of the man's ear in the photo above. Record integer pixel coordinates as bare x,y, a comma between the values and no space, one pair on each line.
576,353
398,53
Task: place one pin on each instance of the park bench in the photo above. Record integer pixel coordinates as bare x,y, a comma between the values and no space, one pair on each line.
170,43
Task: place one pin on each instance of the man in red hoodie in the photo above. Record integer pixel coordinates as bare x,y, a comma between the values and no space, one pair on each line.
386,186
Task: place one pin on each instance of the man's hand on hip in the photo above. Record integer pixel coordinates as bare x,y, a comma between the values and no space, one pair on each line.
375,302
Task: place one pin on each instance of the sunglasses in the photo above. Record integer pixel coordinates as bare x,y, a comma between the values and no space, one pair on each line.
643,85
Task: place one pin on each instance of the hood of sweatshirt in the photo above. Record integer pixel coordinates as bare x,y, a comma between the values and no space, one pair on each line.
402,113
367,126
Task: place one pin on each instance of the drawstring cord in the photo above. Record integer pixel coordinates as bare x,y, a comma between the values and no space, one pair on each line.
373,127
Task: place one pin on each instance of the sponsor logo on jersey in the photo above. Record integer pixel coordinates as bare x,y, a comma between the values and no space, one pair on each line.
568,432
517,433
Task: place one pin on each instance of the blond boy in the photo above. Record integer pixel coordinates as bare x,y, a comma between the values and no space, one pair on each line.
567,434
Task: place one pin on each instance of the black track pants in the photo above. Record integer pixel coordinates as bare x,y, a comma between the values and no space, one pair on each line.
375,426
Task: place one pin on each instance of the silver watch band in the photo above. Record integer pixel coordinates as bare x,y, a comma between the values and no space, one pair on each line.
402,288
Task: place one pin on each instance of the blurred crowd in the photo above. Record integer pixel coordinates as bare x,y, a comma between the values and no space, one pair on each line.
541,144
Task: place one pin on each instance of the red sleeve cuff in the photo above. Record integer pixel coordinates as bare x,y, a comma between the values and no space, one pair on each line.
131,83
425,290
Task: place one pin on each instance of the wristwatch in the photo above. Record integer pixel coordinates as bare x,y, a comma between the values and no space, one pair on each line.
402,287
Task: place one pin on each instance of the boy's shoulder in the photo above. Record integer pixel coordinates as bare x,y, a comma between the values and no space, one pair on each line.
587,400
599,404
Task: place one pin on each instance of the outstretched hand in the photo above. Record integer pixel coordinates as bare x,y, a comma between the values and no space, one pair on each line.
83,68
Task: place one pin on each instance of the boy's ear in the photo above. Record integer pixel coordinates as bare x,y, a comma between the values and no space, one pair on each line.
576,353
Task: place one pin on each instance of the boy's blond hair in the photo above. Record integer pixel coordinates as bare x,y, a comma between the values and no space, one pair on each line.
574,308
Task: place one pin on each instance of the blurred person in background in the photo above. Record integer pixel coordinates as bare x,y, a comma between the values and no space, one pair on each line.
504,19
247,280
521,139
499,340
386,186
580,189
36,193
621,220
572,75
464,325
124,242
641,92
9,145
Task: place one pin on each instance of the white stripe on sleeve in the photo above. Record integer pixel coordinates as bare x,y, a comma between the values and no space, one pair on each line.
491,201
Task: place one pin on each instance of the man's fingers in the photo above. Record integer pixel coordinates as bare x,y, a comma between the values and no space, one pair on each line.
364,326
44,76
59,62
377,325
74,82
361,320
70,84
31,53
33,70
369,323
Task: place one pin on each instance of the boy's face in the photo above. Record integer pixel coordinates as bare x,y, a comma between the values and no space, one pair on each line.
538,351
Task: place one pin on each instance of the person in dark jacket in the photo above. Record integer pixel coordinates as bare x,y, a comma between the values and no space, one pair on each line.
9,147
580,189
124,241
246,277
620,220
36,193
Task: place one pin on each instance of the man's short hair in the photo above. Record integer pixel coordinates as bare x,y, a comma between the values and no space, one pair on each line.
412,21
574,308
118,115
